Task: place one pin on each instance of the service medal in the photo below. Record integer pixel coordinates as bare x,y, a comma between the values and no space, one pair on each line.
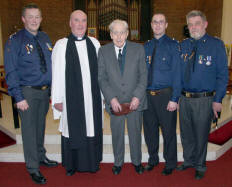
149,59
29,48
200,61
208,60
185,57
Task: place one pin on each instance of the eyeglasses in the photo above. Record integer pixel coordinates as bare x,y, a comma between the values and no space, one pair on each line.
196,24
119,33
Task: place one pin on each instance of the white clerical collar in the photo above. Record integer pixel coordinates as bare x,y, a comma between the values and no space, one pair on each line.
80,38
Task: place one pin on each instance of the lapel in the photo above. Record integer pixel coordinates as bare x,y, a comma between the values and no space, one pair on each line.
113,59
128,62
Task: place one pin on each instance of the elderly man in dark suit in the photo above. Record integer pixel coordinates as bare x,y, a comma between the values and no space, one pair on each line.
122,77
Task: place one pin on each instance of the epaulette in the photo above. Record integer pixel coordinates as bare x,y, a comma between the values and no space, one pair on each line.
147,42
175,40
217,37
12,35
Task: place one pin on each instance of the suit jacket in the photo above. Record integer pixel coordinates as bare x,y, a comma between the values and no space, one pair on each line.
133,81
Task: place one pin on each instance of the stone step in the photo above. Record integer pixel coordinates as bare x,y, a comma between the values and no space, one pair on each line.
107,139
54,137
14,153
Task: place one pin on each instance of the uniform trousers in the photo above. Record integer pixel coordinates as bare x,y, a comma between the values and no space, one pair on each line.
157,116
33,126
134,127
195,121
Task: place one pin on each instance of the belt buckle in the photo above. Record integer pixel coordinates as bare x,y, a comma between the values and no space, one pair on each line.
44,87
152,93
187,94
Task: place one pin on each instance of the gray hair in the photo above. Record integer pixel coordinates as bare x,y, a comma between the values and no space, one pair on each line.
195,13
118,21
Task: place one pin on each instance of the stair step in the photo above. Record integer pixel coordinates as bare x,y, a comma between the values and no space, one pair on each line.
14,153
107,139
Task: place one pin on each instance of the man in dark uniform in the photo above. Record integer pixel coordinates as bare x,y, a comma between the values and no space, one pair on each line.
204,81
163,91
27,59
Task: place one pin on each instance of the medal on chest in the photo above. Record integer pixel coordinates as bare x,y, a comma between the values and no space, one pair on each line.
200,61
208,60
29,48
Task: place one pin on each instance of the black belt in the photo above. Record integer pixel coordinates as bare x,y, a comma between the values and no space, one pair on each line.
198,94
38,87
156,92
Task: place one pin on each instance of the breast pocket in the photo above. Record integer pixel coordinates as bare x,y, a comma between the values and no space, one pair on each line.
27,53
209,63
164,63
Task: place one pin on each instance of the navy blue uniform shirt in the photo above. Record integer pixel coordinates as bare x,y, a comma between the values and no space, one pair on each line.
210,66
22,62
167,72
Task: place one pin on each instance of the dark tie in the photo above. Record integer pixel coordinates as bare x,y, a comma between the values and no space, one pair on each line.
191,63
152,65
120,60
43,67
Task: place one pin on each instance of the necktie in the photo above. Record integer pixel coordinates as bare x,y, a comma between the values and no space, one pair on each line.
191,63
43,67
152,65
120,60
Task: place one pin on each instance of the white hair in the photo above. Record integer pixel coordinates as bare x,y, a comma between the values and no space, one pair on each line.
118,21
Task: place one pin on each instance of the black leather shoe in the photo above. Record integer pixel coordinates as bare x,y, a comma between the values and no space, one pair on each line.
70,172
167,171
182,167
150,167
139,169
48,163
199,175
116,170
38,178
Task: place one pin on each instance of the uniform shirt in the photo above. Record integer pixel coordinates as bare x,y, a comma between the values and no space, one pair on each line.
22,62
210,66
167,65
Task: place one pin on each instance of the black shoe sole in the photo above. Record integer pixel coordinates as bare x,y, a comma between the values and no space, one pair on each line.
49,166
